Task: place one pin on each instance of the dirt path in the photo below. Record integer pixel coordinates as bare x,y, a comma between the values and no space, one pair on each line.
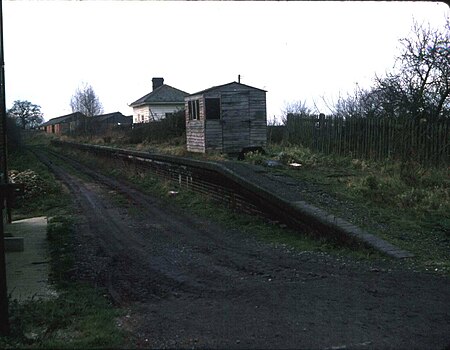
189,283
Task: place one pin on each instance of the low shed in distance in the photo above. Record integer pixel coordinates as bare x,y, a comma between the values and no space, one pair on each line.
66,124
226,118
107,122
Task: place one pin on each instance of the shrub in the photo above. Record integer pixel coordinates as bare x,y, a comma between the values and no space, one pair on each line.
255,157
275,133
172,126
299,155
34,185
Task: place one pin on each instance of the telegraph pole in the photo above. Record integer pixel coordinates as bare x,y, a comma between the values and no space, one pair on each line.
4,314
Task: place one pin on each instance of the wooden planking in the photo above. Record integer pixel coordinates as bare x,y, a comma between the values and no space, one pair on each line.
195,136
201,101
235,116
413,139
258,133
213,135
243,120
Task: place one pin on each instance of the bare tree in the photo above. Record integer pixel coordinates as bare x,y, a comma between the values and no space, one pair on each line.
425,70
26,114
86,101
418,88
295,107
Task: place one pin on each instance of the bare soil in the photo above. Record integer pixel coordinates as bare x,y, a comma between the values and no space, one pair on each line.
186,282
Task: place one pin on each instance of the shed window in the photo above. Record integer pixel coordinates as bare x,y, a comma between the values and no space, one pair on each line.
194,109
212,108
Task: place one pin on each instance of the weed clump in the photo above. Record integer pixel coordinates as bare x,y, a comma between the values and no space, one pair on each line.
255,157
34,184
299,155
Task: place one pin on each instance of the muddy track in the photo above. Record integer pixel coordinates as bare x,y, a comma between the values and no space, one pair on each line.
187,282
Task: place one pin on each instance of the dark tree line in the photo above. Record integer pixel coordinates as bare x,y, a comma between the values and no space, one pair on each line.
26,114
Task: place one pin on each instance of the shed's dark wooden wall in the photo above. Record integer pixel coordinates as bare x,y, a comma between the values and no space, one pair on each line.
243,120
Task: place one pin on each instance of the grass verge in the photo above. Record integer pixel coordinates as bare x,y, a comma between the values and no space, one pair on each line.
204,207
80,316
44,196
402,202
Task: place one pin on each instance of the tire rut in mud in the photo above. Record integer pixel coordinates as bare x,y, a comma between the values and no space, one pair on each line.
110,253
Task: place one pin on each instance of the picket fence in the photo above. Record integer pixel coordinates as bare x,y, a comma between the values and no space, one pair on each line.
419,140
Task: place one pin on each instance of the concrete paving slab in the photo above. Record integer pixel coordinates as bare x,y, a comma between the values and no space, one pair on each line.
13,244
27,271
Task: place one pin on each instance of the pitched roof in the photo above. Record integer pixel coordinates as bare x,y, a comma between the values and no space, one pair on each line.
63,118
163,94
103,117
224,85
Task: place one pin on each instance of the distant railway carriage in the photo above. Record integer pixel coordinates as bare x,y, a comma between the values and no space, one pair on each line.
226,118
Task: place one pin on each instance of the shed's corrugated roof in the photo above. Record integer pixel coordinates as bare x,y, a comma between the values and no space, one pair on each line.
161,95
63,118
222,86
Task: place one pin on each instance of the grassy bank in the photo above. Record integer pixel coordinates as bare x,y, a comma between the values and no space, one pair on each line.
404,203
44,196
205,207
80,316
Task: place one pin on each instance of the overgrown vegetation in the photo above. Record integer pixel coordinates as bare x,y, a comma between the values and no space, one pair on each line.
417,87
272,232
403,202
171,127
80,316
385,149
43,194
404,115
203,206
170,130
376,138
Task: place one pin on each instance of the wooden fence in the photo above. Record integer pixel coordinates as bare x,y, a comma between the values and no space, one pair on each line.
420,140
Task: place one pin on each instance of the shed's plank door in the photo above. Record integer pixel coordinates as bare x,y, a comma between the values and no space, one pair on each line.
235,121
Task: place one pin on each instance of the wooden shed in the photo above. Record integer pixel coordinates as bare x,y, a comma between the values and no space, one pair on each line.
226,118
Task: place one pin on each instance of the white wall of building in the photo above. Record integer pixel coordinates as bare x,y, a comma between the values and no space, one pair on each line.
146,114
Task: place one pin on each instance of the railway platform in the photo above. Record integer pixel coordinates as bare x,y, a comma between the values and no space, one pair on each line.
27,271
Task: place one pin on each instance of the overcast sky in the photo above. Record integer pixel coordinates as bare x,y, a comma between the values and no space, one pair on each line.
295,50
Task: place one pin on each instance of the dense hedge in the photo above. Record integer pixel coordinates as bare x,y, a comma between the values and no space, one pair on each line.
172,126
